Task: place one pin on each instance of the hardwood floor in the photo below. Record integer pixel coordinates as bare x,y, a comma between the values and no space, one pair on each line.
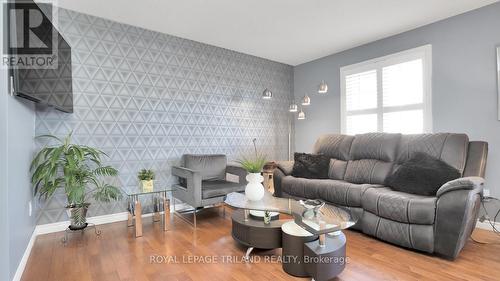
117,255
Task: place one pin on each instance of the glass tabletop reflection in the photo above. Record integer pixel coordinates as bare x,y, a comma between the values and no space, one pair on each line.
137,190
329,218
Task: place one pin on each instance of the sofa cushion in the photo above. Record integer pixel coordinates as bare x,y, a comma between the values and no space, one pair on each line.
211,166
369,171
422,174
399,206
311,166
334,146
337,168
333,191
379,146
451,148
217,188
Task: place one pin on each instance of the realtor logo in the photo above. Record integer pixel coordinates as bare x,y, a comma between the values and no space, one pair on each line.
31,39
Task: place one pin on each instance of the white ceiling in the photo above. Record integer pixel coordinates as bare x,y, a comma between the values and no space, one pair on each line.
288,31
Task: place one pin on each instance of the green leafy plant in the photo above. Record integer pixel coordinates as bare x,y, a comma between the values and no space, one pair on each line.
253,164
146,175
75,168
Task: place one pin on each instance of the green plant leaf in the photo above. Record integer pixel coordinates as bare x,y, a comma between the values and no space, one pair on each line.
72,167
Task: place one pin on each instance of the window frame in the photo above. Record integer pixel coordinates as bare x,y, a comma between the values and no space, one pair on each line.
424,53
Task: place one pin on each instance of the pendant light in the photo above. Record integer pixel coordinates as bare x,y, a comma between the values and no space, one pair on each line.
267,94
323,87
293,108
306,100
302,115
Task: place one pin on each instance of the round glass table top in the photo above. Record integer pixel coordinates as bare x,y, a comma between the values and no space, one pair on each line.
313,217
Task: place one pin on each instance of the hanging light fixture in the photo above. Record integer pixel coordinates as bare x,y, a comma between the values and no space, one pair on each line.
267,94
306,100
323,87
302,115
293,108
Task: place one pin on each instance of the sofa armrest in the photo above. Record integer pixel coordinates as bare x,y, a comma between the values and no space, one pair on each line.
237,171
286,167
192,192
467,183
457,209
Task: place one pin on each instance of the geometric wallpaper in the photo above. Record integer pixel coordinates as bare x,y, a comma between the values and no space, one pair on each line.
146,98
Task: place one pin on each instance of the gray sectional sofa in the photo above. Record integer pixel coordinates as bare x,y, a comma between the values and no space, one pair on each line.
359,164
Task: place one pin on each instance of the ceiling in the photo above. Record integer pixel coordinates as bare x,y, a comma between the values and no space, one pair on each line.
287,31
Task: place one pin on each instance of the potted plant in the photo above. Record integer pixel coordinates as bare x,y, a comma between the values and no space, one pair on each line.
146,178
267,217
254,190
77,170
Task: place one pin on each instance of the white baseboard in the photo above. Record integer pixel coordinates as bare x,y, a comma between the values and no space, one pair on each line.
62,225
24,258
487,226
97,220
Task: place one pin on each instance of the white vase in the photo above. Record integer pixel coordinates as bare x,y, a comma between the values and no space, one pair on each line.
254,190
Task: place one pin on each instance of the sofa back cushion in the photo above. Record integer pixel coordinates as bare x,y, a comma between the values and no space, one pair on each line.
211,166
371,157
334,146
337,148
450,148
337,168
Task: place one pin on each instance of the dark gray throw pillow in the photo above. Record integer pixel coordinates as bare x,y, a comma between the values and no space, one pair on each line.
422,174
310,166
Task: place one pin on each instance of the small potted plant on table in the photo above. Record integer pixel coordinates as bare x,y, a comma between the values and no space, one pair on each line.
146,177
77,170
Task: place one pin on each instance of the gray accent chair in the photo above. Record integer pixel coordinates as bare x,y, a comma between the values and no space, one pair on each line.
203,180
359,164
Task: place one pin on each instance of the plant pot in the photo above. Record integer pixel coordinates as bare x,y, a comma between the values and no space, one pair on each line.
147,185
78,216
254,190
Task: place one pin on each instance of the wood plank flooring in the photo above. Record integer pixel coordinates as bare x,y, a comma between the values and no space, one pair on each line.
118,255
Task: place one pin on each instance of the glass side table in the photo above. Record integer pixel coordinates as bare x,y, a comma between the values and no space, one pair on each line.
160,203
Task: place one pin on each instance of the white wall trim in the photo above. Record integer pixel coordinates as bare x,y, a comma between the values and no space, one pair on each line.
97,220
25,257
487,226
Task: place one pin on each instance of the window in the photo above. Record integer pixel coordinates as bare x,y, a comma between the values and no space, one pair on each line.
389,94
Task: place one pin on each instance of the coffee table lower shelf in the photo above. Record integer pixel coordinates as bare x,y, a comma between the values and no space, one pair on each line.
321,262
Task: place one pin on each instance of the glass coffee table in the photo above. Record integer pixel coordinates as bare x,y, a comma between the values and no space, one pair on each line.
323,222
160,203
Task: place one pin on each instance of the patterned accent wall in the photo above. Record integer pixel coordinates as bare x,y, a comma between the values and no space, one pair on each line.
146,98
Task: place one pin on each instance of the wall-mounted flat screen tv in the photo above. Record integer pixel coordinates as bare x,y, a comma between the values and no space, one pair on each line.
48,86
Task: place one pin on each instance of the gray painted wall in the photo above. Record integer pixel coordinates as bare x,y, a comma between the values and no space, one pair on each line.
464,83
4,200
21,123
17,123
146,98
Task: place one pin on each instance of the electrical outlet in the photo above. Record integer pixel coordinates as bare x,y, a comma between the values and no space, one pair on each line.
30,208
486,192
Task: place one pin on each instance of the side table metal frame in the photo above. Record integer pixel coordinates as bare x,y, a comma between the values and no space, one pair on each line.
135,211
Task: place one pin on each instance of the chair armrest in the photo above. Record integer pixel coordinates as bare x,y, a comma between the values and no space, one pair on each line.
182,172
467,183
237,171
286,167
193,184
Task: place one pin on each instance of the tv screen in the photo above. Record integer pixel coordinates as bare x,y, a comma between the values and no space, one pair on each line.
48,86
